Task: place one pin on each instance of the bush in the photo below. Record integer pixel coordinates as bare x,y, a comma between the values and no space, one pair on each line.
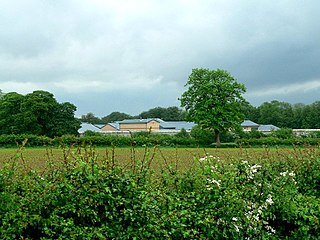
202,136
274,141
214,199
254,133
90,133
283,133
183,134
137,139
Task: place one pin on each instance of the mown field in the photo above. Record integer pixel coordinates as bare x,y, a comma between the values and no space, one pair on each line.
159,193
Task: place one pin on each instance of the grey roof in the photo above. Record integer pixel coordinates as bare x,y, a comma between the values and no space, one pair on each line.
170,125
99,125
146,120
115,125
268,127
248,123
88,127
177,125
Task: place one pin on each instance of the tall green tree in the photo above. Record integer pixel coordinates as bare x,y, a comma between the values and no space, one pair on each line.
167,114
277,113
115,116
312,115
298,115
64,121
157,112
90,118
39,111
213,100
36,113
11,119
174,114
250,112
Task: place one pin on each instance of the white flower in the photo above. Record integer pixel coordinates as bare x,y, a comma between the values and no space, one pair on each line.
256,217
269,200
270,229
213,181
284,173
213,168
220,221
292,174
254,168
202,159
235,219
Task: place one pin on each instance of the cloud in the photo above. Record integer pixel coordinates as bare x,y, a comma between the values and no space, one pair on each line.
288,89
92,86
20,87
72,47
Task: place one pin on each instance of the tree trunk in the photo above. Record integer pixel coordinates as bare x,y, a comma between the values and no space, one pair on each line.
217,133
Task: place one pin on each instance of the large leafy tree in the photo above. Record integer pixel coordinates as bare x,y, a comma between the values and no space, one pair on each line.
250,112
312,115
39,110
11,119
213,100
64,121
115,116
36,113
90,118
168,114
277,113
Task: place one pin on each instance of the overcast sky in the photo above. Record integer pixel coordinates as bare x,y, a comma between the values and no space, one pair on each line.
130,56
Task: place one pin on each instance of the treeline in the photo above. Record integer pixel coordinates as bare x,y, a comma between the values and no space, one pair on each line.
167,114
280,114
285,115
36,113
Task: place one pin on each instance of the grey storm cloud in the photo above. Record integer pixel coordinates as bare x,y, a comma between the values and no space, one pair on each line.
105,55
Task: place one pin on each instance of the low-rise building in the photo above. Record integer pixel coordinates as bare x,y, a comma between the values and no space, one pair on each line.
88,127
248,125
150,124
127,126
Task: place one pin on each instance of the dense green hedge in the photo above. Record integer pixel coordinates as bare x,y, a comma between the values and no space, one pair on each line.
99,140
150,139
274,141
262,199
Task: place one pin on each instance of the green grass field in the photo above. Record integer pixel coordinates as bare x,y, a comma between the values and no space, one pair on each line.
180,158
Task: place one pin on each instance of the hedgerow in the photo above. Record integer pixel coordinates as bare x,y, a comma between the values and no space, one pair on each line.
241,198
145,138
274,141
98,140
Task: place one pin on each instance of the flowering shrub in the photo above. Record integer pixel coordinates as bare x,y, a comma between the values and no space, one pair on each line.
240,198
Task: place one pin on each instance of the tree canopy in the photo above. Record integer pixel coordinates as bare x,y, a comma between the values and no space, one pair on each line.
166,114
36,113
172,113
90,118
213,100
115,116
284,115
